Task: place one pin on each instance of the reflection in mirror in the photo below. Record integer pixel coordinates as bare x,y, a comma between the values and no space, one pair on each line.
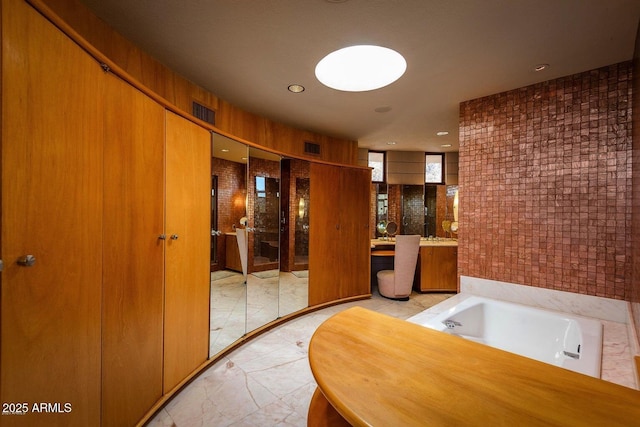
404,204
431,210
413,210
382,209
294,250
452,208
228,201
263,212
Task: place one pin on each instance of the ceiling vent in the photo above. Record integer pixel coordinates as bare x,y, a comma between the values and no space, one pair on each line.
311,148
203,113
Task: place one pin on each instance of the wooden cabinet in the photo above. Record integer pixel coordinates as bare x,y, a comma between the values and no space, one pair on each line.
339,263
52,188
132,278
188,231
437,269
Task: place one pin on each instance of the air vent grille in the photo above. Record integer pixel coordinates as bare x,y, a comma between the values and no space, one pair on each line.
311,148
204,113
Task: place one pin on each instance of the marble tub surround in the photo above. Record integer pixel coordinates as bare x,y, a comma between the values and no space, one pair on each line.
617,351
567,302
267,381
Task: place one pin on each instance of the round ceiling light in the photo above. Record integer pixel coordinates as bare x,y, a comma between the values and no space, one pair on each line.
295,88
360,68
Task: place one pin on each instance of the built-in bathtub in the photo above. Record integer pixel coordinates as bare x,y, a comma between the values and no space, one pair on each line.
568,341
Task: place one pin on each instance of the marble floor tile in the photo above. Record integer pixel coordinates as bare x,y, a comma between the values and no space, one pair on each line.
268,382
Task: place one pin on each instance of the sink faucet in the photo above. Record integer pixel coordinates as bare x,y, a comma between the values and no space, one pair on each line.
450,324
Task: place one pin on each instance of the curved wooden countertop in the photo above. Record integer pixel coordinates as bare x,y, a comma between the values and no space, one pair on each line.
377,370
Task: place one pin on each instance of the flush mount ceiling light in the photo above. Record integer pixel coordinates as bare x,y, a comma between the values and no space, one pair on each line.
360,68
296,88
541,67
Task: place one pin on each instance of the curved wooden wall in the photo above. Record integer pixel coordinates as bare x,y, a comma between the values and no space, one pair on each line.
181,92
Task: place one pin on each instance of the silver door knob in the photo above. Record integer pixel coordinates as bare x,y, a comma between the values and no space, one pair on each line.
174,237
162,237
27,260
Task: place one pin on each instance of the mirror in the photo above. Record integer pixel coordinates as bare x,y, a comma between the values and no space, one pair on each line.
416,209
260,206
382,205
294,251
228,206
263,214
413,209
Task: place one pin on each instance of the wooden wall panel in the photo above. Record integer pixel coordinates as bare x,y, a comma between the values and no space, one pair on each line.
181,93
52,181
187,279
133,255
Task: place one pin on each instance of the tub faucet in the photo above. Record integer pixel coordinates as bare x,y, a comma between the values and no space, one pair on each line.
450,324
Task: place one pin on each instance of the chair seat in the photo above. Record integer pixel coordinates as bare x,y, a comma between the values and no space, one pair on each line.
397,283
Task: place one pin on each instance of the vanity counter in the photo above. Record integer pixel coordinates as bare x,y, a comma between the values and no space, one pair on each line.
373,369
423,242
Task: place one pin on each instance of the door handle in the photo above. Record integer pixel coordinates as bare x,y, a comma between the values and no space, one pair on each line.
174,237
27,260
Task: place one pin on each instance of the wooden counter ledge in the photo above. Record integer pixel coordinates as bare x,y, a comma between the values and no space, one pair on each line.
377,370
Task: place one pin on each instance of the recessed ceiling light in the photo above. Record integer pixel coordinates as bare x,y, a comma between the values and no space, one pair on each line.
541,67
296,88
360,68
225,150
384,109
442,133
391,143
445,145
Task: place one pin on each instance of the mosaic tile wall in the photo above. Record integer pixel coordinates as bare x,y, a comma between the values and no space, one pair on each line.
545,184
634,285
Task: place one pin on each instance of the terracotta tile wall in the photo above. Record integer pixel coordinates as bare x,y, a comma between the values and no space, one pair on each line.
634,285
545,184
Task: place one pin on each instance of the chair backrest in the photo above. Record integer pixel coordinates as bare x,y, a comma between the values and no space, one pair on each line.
406,257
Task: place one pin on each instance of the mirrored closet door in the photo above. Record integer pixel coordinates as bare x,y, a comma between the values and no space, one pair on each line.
263,237
228,207
294,236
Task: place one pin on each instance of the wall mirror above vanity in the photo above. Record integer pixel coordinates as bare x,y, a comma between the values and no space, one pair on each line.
427,210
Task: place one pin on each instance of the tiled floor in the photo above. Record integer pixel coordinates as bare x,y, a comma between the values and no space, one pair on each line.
268,382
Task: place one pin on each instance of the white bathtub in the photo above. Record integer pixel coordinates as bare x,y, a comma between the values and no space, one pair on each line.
563,340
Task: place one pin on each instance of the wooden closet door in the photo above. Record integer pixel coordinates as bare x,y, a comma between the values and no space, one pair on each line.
52,181
188,230
324,234
133,254
355,235
338,233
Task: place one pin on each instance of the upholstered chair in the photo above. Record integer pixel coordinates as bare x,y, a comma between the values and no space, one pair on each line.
397,283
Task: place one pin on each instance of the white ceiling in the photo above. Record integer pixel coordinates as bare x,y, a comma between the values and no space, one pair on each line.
248,51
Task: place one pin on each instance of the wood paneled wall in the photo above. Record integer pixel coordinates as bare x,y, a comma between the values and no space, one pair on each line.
181,93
